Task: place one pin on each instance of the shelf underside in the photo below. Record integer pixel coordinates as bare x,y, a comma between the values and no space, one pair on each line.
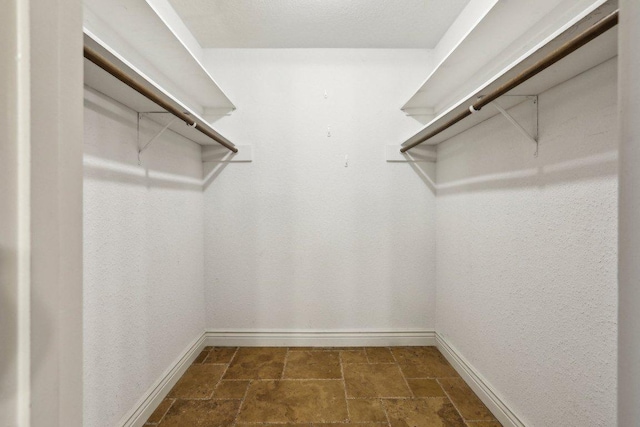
594,53
103,82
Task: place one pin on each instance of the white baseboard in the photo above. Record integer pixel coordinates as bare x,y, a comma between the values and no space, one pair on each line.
478,384
255,338
141,412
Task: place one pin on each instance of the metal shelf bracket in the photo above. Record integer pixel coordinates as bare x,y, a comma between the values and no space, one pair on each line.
145,146
533,99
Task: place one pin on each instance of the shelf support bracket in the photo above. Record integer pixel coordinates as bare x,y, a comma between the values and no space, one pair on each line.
533,138
156,136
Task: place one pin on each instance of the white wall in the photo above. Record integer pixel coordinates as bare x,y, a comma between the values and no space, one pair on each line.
143,257
296,240
629,276
526,254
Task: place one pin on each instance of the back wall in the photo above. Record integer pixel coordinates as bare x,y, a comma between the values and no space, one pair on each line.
302,238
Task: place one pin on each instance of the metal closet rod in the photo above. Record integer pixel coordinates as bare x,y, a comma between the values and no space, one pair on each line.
572,45
116,72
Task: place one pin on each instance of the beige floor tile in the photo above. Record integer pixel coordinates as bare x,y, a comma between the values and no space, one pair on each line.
343,348
414,355
346,425
162,409
274,425
379,355
469,405
425,388
380,380
366,411
203,355
323,348
201,413
197,382
483,424
354,356
423,362
410,391
293,401
313,365
437,412
257,363
428,371
230,389
307,348
220,355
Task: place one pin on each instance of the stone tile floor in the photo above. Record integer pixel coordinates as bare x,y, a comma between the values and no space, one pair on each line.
370,387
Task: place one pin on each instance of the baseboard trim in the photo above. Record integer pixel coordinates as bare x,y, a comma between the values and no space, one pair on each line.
478,384
253,338
158,391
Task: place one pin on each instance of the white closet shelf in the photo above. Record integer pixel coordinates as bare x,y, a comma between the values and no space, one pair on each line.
108,85
499,33
151,36
590,55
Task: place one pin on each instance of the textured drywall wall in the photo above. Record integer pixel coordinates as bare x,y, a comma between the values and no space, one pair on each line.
295,240
526,254
143,259
629,248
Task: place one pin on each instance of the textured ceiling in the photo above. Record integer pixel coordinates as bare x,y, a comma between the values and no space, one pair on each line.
318,23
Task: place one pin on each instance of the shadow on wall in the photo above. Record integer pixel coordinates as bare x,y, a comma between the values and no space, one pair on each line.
211,171
427,173
577,141
112,138
498,159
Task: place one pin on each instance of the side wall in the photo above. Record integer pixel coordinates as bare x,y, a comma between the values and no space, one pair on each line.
303,239
143,261
526,254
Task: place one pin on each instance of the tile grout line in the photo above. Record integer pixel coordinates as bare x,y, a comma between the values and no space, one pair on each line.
344,384
366,354
165,412
246,392
173,400
451,400
384,409
208,354
223,373
284,365
402,374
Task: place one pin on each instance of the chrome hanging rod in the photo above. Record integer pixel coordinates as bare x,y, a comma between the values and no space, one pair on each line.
102,62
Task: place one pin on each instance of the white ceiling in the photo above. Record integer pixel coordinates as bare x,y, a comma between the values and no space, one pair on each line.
318,23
